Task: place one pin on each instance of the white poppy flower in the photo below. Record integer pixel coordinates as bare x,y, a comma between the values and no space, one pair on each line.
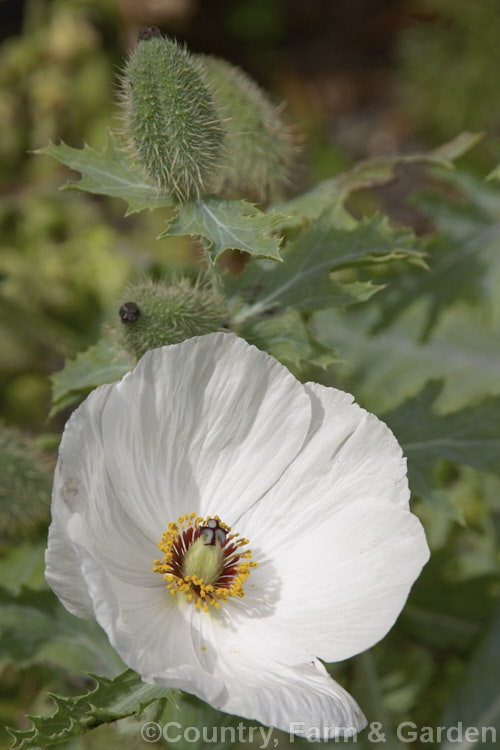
210,449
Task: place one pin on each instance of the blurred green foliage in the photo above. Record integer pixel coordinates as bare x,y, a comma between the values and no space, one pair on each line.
448,74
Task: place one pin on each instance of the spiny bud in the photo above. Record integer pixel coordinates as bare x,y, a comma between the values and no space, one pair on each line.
156,313
259,148
170,122
25,483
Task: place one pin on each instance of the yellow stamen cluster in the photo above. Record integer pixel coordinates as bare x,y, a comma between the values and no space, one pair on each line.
236,565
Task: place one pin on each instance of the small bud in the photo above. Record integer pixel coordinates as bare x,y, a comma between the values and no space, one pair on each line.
171,126
259,148
129,312
169,313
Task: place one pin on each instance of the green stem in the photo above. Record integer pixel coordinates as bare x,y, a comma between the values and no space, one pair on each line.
212,273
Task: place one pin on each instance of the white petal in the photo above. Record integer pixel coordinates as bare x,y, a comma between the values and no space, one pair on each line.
82,491
300,699
343,584
207,426
63,574
349,455
189,430
149,630
217,427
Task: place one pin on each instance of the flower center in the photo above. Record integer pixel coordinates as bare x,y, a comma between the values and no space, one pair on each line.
203,560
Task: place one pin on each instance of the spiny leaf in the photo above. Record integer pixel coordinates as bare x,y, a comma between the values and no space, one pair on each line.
304,282
288,338
469,436
332,193
101,363
112,699
389,367
224,225
460,257
107,172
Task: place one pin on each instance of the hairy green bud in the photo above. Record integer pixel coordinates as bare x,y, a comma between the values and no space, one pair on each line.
155,313
26,482
170,122
259,148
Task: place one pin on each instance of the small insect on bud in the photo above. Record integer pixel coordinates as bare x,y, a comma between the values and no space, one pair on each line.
149,32
169,313
129,312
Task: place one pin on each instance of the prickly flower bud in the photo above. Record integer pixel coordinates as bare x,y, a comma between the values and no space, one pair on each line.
154,314
170,123
26,480
259,148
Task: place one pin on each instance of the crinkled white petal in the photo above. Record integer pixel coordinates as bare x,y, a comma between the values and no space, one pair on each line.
293,699
188,430
349,455
63,573
340,586
302,700
191,429
149,630
86,511
319,487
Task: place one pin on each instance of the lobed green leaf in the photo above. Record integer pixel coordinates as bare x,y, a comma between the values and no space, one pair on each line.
288,338
112,699
391,366
461,256
468,436
304,280
331,194
224,225
108,172
101,363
